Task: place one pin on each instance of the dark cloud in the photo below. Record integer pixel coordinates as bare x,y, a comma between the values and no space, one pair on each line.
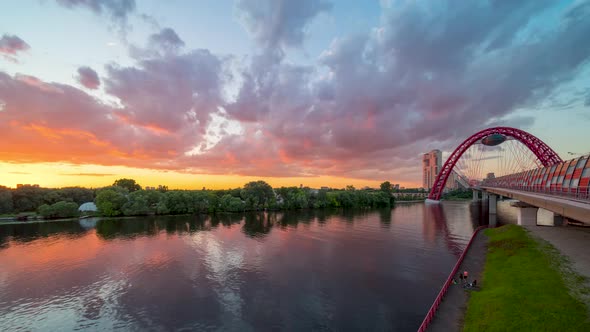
279,22
429,76
117,10
167,40
162,44
10,45
425,78
88,78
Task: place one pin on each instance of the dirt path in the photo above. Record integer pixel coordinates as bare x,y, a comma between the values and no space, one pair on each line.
449,316
572,242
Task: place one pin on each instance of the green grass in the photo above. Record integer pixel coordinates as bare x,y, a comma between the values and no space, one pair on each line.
523,287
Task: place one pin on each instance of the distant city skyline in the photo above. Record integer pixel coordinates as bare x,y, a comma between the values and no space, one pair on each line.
312,92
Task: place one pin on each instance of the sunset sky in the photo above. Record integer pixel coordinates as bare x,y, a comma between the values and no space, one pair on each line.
214,94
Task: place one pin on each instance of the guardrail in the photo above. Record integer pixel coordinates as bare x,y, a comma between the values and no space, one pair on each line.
580,193
445,287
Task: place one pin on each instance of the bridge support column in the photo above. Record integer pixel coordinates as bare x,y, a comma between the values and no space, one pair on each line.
492,203
557,220
485,195
549,218
527,214
475,195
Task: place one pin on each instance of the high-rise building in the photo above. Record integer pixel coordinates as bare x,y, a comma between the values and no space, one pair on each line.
431,165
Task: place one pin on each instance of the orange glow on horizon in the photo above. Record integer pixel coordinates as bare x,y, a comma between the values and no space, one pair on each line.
58,175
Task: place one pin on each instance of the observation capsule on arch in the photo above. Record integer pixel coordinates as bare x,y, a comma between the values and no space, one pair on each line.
493,139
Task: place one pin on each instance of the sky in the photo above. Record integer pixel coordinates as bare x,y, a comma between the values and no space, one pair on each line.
215,94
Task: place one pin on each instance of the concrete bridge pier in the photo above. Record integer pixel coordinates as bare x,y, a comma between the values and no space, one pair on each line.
475,195
492,199
527,214
492,221
549,218
485,196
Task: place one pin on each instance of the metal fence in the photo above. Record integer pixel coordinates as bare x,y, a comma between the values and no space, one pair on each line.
430,315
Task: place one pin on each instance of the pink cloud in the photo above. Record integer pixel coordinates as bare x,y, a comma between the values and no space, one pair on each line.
367,109
88,78
11,45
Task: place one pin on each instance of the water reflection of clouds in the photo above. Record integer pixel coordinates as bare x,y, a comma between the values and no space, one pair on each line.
190,273
223,264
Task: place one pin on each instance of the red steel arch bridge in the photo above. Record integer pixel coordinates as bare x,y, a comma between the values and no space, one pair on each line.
512,162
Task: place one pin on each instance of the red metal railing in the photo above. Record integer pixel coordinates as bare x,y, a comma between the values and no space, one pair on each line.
445,287
579,193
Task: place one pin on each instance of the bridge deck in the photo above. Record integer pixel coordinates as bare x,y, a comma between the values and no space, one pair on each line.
567,207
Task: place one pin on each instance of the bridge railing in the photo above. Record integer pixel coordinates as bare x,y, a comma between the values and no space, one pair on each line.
579,193
430,315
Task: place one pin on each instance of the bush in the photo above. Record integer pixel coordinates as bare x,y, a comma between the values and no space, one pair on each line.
60,209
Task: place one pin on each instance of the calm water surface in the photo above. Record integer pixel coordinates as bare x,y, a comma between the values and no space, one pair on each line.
298,271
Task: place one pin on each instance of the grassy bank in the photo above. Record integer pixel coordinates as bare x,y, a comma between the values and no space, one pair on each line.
523,288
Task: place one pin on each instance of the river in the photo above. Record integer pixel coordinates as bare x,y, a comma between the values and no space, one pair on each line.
293,271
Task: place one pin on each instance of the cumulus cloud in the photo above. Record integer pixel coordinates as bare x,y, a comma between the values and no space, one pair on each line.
429,76
88,78
279,23
10,45
426,77
76,128
168,93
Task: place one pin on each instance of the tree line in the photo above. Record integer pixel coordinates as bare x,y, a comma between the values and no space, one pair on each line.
126,198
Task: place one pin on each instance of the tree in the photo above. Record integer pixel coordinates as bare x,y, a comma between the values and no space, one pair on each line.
199,201
110,202
321,200
28,198
137,204
77,194
177,202
5,200
129,184
257,195
229,203
386,187
52,197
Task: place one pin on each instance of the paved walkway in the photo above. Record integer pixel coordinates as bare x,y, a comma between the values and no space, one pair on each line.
573,242
451,312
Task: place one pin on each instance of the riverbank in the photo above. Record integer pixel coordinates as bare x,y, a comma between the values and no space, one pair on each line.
523,287
34,221
414,201
449,316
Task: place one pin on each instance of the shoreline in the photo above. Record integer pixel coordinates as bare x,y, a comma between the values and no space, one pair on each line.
36,221
12,221
450,313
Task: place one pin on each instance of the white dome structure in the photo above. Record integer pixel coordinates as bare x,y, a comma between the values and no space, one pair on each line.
88,206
